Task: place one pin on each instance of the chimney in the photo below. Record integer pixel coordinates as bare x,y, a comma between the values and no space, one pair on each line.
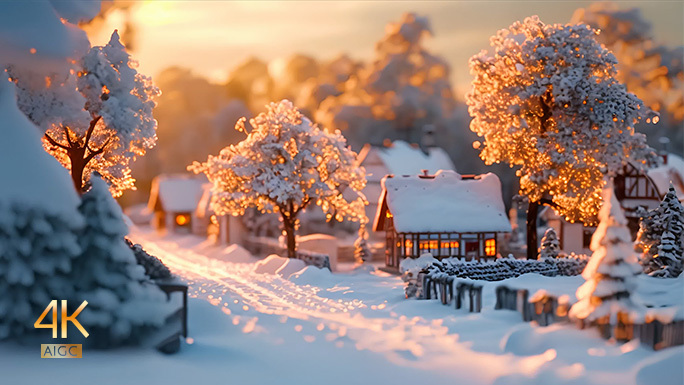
664,144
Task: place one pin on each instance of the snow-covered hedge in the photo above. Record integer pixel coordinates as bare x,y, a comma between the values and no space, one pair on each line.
154,267
504,268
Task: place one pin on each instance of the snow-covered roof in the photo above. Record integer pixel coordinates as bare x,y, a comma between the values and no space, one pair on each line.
30,176
445,202
176,193
673,172
403,159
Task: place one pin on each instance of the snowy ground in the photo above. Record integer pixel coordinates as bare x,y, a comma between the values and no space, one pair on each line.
350,328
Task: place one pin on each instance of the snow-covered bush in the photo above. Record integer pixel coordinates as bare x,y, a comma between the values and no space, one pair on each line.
611,271
505,268
122,302
410,269
286,164
547,100
549,244
154,267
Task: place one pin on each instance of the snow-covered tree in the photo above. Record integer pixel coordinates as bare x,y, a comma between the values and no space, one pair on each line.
38,205
402,90
98,117
122,302
549,244
285,164
547,101
660,237
611,272
362,252
654,72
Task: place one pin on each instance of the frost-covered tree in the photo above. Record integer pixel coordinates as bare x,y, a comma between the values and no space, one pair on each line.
660,237
547,102
98,117
402,90
549,244
611,272
285,164
122,302
362,252
654,72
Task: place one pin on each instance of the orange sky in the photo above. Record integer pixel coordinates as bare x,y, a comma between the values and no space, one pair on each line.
211,37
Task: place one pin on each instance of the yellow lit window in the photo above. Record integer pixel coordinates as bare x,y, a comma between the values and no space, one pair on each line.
490,247
408,244
452,244
388,214
182,219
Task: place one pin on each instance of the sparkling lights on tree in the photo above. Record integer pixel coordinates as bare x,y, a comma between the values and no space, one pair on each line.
285,164
547,101
98,118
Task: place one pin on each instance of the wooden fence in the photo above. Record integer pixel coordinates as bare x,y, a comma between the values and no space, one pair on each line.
448,289
546,309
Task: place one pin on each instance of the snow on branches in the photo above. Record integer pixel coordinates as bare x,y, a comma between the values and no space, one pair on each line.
611,272
98,117
285,164
547,101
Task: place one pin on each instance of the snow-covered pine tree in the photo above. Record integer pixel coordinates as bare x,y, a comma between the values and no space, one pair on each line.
122,302
97,117
285,164
547,100
362,252
549,244
611,272
668,260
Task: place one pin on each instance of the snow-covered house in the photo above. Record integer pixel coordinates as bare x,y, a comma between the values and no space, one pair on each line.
397,158
446,214
173,200
633,189
227,229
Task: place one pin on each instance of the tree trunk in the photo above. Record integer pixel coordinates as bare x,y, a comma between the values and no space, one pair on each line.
289,236
532,211
77,166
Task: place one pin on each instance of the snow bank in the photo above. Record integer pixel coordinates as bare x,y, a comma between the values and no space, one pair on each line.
235,253
290,267
446,203
269,265
311,275
659,370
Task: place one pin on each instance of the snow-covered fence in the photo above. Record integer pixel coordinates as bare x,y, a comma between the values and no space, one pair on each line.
177,323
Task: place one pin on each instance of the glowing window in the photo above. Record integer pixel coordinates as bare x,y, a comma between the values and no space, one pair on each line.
490,247
388,214
182,219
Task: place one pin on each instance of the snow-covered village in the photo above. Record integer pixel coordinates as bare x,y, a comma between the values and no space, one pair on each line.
336,192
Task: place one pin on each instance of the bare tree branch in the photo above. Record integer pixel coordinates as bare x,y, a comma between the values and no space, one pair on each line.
54,142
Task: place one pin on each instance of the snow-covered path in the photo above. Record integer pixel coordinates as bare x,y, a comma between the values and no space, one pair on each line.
368,312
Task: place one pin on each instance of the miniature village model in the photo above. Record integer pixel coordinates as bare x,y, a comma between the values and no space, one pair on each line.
283,192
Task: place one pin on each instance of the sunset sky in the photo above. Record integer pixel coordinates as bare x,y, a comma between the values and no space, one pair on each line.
211,37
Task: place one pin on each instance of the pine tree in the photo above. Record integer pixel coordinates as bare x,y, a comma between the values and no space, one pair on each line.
668,260
362,252
611,272
549,244
121,300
